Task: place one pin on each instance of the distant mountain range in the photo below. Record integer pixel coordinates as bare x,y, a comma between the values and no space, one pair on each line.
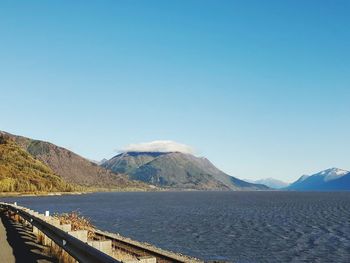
177,171
70,167
34,165
270,182
333,179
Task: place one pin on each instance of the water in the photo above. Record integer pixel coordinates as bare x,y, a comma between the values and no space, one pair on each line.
232,226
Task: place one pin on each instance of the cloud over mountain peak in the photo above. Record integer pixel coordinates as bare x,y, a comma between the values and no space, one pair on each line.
158,146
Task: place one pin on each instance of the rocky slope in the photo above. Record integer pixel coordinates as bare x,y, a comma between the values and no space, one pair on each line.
74,168
21,172
176,170
333,179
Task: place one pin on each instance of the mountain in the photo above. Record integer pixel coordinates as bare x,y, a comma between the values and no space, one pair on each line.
21,172
333,179
176,170
102,161
270,182
73,168
98,162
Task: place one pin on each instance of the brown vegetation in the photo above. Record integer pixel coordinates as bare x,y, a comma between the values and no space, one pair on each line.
21,172
75,169
77,221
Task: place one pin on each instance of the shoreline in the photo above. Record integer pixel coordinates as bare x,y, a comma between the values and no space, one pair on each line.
16,194
116,190
100,190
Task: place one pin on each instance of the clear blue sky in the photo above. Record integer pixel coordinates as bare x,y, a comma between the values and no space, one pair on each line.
261,88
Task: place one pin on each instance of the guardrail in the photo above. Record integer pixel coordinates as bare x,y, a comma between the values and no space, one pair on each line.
143,249
76,248
83,250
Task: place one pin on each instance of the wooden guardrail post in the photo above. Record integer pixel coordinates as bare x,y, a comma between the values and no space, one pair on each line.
104,245
141,260
65,227
80,234
35,229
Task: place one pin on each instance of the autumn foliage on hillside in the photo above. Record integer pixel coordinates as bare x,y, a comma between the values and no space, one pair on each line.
21,172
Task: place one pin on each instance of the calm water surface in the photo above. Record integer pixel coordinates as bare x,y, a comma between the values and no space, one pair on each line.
232,226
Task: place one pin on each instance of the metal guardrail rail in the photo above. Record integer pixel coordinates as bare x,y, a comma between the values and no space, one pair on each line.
85,253
76,248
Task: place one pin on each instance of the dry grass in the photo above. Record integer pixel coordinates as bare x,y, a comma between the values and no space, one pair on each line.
77,221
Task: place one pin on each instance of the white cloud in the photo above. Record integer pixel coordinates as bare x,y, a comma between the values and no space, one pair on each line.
158,146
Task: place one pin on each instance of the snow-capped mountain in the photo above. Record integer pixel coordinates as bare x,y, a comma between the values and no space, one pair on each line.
270,182
332,179
333,173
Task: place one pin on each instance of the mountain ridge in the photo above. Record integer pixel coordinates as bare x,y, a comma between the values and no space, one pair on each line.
72,167
331,179
270,182
176,170
21,172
